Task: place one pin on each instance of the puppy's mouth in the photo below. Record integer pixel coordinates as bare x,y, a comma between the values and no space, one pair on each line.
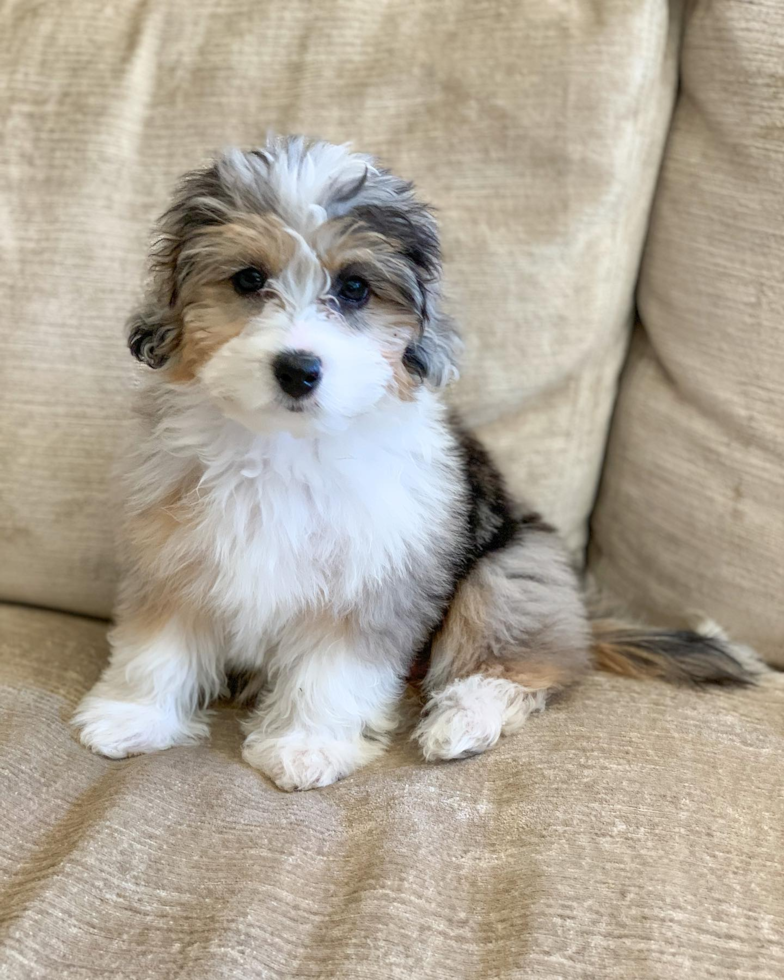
306,405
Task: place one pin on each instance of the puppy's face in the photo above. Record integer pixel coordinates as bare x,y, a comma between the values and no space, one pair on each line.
298,286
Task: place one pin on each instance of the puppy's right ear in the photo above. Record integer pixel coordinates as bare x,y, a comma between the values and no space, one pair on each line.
201,198
152,336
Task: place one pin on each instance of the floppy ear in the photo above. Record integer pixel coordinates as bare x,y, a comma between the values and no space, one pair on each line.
153,335
434,356
153,330
393,211
200,199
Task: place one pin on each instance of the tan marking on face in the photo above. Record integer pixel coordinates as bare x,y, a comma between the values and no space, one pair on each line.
402,383
211,312
218,316
394,329
256,240
340,243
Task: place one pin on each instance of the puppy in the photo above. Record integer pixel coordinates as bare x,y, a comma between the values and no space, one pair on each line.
301,506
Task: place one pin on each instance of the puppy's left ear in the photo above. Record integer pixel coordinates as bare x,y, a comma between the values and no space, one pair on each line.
433,357
412,227
152,335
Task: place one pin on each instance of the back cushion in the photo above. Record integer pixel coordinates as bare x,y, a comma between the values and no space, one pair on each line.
691,513
535,128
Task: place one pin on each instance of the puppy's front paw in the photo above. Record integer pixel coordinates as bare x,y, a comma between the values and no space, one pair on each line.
120,728
302,761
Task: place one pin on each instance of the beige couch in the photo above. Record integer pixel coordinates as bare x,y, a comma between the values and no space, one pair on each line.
583,156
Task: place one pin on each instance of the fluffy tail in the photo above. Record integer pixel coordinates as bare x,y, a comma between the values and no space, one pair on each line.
694,657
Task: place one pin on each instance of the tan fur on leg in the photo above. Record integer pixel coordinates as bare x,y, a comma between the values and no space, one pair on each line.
514,632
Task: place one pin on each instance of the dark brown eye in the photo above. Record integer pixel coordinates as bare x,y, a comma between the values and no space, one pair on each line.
353,290
248,280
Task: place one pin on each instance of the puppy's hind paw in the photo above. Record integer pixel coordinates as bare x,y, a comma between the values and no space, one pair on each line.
470,715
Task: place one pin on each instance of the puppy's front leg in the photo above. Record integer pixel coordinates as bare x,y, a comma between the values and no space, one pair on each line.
148,696
330,707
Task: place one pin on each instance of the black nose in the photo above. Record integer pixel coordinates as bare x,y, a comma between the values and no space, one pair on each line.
297,372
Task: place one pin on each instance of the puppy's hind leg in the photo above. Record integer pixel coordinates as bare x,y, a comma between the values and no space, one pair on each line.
515,631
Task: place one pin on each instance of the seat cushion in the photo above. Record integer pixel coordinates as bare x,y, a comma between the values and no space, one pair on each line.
632,830
691,511
536,129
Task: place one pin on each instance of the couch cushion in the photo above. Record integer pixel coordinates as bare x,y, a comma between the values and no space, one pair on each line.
691,512
535,128
631,830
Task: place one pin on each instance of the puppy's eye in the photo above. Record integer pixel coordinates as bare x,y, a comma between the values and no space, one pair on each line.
248,280
354,290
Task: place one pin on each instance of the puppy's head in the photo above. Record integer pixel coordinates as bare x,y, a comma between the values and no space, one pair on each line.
299,285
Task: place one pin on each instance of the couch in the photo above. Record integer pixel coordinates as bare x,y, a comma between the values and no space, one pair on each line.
609,177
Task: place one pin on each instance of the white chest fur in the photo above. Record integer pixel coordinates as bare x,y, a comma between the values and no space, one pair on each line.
287,523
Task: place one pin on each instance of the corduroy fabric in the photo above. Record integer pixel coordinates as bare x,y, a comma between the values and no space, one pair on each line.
691,513
536,129
631,831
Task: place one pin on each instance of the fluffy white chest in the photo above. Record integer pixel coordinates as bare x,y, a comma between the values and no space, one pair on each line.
287,523
302,526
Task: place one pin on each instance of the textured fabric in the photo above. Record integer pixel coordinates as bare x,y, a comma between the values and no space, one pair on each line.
631,831
535,128
691,513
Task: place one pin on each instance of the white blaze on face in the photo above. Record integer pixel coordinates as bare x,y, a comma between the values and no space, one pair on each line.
239,377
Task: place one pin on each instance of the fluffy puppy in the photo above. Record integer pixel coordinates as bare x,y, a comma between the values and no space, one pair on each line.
301,507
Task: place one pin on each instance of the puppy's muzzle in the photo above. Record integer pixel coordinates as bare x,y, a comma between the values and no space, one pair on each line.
297,372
